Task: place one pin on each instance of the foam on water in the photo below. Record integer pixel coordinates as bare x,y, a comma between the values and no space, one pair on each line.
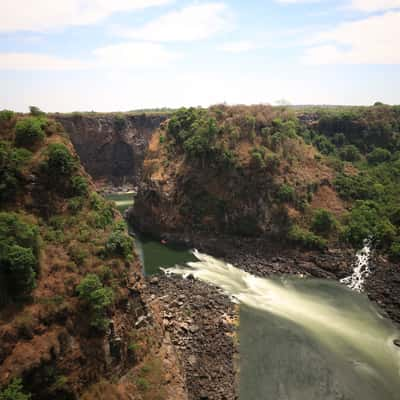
354,330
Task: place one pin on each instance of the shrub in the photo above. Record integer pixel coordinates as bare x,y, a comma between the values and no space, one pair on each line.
286,193
36,111
97,299
367,222
350,153
75,204
60,163
378,155
323,222
306,238
14,391
79,185
257,157
324,145
6,116
29,132
11,163
19,250
119,243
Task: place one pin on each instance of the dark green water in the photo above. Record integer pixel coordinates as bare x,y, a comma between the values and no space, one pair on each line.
154,254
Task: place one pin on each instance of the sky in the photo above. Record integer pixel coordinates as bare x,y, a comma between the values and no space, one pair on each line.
121,55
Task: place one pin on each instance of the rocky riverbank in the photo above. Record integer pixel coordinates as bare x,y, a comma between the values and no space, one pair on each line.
200,321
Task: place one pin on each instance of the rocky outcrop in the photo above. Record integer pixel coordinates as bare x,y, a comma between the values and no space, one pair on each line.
111,146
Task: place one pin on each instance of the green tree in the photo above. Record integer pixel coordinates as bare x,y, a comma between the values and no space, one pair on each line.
36,111
97,299
29,132
60,163
378,155
350,153
323,222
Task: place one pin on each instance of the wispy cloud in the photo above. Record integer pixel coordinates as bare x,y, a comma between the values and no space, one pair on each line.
119,56
373,40
194,22
42,15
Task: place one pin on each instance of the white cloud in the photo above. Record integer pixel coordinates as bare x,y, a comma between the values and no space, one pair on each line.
134,54
195,22
373,40
374,5
116,57
41,15
240,46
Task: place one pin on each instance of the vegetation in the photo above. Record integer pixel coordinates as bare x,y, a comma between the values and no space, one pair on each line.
323,222
29,132
119,243
14,391
19,253
306,239
97,299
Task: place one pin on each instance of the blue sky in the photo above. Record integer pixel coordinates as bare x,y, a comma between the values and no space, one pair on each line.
119,55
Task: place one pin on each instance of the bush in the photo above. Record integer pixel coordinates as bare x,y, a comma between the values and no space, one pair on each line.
286,193
79,185
367,222
395,251
306,239
97,299
60,163
378,155
11,163
119,243
323,222
19,251
6,116
119,122
29,132
14,391
36,111
257,157
350,153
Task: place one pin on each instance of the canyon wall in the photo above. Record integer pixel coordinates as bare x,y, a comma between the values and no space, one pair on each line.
111,146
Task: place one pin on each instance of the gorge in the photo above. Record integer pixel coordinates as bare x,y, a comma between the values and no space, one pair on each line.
278,211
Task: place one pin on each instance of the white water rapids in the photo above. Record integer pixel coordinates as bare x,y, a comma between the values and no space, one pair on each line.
361,270
352,331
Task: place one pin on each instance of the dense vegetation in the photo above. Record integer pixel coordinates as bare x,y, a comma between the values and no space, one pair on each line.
64,255
361,145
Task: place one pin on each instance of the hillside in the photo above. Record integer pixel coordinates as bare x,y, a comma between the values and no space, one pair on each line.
74,320
318,178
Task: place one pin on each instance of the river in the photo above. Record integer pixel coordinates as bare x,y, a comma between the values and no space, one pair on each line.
300,339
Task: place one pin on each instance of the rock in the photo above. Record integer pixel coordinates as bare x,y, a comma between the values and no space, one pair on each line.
140,322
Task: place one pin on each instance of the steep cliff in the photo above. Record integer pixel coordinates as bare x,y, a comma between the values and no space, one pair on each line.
74,318
111,146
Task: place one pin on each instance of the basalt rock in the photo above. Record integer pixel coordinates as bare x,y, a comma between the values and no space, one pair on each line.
111,147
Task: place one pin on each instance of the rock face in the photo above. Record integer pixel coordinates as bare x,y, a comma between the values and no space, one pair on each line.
111,147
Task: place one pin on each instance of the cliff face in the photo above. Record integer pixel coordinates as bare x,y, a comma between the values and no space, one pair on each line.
111,147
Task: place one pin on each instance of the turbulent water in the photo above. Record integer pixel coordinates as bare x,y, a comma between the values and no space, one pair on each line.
361,270
306,339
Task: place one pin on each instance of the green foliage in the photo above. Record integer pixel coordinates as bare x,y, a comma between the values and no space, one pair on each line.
324,145
60,163
286,193
366,221
75,204
378,155
97,298
358,187
36,111
305,238
119,243
395,250
103,212
79,185
19,250
323,222
29,132
257,157
14,391
12,161
6,116
350,153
